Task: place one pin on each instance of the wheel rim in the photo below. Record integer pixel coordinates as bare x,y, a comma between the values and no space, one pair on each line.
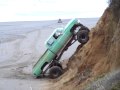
55,74
83,36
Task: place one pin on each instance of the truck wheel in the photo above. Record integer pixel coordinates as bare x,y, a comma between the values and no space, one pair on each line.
83,36
55,72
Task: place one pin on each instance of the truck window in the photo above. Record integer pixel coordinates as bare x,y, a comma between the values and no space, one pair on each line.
57,34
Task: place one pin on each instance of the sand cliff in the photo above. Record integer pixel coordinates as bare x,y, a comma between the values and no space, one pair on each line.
99,59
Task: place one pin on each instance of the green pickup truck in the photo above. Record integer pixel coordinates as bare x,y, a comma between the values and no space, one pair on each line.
49,65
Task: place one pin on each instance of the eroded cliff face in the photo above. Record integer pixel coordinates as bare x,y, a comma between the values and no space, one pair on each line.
99,56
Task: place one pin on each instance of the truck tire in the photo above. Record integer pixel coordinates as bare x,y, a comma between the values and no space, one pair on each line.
83,36
55,72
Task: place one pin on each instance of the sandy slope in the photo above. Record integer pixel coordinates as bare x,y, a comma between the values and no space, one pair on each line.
98,57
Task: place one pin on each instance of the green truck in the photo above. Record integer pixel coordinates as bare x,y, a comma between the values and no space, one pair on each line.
49,63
